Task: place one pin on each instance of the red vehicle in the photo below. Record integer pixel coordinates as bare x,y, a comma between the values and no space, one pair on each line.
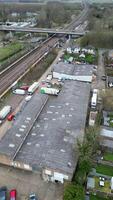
13,194
24,87
10,117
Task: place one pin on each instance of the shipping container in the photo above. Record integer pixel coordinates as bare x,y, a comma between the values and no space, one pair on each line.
33,88
4,112
52,91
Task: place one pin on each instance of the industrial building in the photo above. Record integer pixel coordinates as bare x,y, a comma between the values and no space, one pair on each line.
106,138
80,72
44,135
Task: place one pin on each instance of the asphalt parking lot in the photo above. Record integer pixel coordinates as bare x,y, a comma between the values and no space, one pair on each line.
26,182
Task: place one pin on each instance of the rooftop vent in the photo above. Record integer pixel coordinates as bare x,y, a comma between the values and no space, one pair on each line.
62,150
37,145
33,134
69,164
42,135
12,145
21,129
29,143
18,135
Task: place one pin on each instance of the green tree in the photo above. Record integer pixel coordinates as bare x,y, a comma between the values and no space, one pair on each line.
73,192
87,150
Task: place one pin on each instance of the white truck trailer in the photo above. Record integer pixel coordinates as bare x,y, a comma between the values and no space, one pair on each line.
52,91
33,87
94,101
4,112
19,91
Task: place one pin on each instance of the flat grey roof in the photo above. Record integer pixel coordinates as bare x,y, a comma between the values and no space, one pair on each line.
110,79
107,136
51,141
107,143
73,69
107,132
24,121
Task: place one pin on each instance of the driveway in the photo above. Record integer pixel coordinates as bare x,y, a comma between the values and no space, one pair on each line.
98,83
26,182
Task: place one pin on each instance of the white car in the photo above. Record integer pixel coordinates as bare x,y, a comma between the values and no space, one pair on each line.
28,97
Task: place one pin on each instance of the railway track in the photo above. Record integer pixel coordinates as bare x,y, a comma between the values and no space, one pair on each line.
81,18
12,74
14,71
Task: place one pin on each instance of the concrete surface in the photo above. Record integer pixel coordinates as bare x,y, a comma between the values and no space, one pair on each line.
26,182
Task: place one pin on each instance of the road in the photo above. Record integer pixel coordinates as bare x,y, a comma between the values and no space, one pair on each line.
12,74
99,84
42,30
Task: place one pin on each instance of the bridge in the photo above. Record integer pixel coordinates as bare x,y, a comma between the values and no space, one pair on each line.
41,30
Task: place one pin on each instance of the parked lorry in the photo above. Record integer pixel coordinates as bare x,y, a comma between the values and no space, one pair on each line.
52,91
94,101
33,88
19,91
4,112
94,98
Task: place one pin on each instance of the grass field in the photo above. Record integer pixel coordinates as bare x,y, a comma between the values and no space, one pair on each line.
108,156
93,197
10,50
104,169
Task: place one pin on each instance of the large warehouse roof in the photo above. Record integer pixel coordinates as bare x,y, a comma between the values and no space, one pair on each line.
15,136
51,141
73,69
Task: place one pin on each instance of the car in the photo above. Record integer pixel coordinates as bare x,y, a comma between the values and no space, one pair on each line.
103,78
10,117
3,193
110,85
13,194
49,77
32,196
28,98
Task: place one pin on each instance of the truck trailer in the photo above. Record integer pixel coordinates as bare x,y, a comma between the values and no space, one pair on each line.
94,101
33,88
19,91
4,112
52,91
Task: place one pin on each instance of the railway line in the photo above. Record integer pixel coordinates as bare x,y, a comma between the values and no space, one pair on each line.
13,72
8,77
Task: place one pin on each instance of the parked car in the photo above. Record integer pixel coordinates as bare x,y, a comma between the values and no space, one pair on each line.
3,193
28,97
32,196
13,194
103,78
10,117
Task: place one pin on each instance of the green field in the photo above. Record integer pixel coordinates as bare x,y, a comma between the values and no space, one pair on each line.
10,50
93,197
104,169
108,156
